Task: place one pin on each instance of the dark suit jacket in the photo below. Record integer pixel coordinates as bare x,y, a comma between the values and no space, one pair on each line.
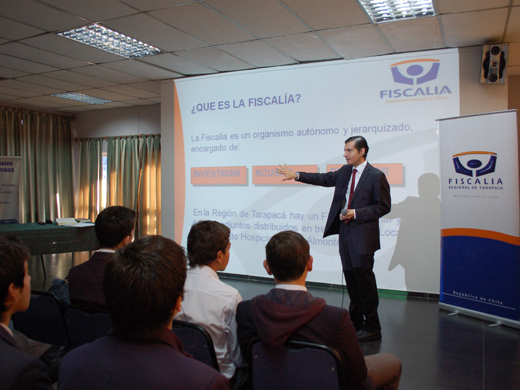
86,281
19,370
371,201
112,363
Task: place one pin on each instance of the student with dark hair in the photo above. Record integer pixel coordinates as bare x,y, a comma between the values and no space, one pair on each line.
143,287
114,229
288,311
210,303
18,370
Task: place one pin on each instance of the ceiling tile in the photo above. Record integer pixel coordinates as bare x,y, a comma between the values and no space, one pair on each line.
10,73
141,102
513,27
37,55
142,69
39,103
262,18
356,42
450,6
147,5
70,48
413,34
152,86
39,15
257,53
203,23
154,32
93,10
336,13
131,91
52,83
217,59
73,77
11,30
4,97
109,74
178,64
304,47
16,92
39,89
23,65
474,28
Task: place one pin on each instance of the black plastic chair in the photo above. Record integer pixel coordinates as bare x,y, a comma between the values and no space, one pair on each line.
85,326
43,321
196,341
297,365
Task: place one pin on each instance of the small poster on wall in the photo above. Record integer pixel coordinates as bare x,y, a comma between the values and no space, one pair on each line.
10,183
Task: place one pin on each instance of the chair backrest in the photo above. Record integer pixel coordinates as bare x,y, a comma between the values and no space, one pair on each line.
43,321
84,326
297,365
196,341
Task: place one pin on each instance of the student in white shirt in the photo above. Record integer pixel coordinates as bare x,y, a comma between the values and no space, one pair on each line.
209,302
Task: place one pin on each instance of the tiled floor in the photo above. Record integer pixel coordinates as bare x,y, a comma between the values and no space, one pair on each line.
438,351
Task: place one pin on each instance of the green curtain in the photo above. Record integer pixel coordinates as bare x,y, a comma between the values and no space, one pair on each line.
90,178
134,179
44,142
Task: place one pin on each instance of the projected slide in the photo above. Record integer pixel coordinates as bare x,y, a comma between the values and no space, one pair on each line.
232,131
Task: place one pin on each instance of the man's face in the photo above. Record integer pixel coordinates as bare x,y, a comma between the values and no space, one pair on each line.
25,291
352,155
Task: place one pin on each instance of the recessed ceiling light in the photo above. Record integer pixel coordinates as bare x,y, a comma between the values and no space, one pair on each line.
393,10
105,39
82,98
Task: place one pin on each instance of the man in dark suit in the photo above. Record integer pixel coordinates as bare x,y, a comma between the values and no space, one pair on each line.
114,229
361,197
18,370
288,311
143,286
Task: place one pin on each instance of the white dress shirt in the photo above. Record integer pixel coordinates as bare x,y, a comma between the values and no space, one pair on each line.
212,304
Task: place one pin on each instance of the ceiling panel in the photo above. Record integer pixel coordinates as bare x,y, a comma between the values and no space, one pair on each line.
203,23
52,83
131,91
216,58
152,86
37,55
147,5
39,15
257,53
474,28
262,18
104,94
413,34
451,6
81,79
11,30
356,42
155,33
109,74
93,10
142,69
10,73
178,64
39,89
23,65
336,13
304,47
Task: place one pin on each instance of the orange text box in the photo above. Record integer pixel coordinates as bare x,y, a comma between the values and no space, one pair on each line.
266,174
393,172
219,175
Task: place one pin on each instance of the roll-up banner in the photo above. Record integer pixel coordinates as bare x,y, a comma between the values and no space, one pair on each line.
480,232
10,182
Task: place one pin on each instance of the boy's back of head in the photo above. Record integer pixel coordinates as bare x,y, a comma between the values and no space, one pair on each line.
287,253
205,240
113,224
142,285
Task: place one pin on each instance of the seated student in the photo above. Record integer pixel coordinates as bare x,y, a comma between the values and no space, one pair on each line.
114,229
210,303
18,370
143,288
288,311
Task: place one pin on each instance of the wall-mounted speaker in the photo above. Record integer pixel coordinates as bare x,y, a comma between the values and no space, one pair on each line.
494,64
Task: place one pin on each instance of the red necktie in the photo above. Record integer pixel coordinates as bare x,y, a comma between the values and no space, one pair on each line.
352,185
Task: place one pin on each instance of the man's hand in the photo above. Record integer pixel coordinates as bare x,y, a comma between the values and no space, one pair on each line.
288,173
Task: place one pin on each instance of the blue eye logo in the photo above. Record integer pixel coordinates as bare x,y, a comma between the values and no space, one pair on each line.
415,72
471,163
